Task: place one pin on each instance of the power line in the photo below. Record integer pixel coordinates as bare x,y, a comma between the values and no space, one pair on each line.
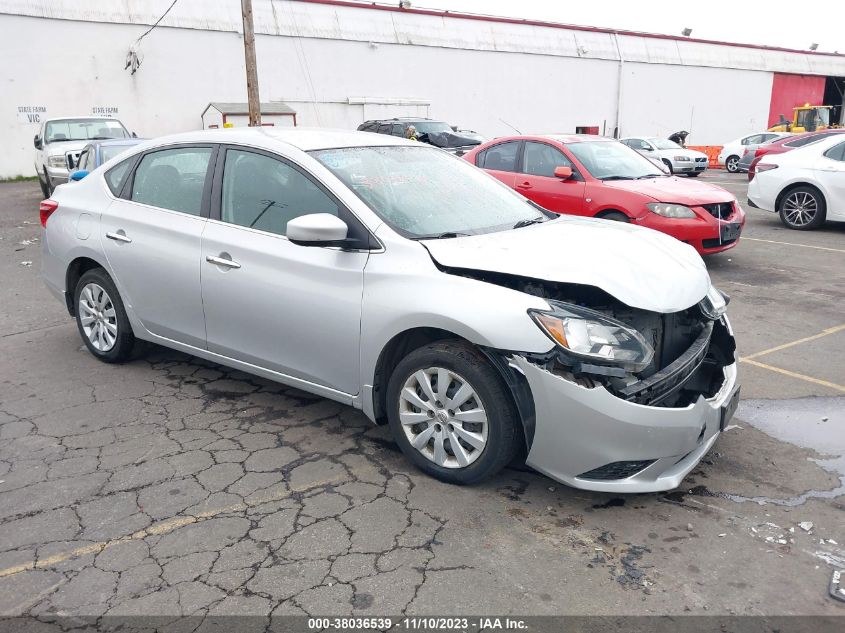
133,59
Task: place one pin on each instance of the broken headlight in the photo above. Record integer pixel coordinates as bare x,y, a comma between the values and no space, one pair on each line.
593,336
714,304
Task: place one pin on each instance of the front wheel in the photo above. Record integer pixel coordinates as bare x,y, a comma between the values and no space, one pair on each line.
732,164
101,317
45,184
802,209
695,174
451,413
669,165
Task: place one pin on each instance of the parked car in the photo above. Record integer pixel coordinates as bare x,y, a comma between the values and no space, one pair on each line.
437,133
59,141
679,160
95,154
599,177
393,277
733,151
787,144
805,186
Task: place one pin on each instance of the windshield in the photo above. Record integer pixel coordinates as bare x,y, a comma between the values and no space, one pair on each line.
609,160
107,152
84,129
429,127
664,143
424,192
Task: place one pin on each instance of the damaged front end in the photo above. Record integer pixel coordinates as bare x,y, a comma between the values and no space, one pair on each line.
628,400
650,358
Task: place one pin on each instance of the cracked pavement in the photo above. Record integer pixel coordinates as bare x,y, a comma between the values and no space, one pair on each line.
172,486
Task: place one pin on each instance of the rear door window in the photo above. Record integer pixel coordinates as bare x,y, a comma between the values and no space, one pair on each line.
501,157
173,179
384,128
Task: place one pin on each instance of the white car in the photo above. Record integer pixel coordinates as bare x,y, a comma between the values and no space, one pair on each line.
679,160
59,142
805,186
392,276
733,151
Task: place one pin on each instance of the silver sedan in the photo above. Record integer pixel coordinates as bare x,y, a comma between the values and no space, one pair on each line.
393,277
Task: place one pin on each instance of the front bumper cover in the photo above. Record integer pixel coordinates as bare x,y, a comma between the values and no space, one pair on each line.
581,429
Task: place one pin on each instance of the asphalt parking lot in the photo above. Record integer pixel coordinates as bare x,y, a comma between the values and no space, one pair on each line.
172,486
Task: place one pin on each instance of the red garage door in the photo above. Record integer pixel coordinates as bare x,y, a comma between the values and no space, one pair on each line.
790,91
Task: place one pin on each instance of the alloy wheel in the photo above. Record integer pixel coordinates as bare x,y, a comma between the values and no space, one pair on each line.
732,163
443,417
97,317
800,208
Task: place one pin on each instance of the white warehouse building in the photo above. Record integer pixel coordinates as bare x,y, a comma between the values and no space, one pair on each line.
337,63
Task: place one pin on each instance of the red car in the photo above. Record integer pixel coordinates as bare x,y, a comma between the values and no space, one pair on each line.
601,177
786,144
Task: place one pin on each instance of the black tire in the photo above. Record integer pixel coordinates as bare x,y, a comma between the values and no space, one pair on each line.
807,196
732,164
615,216
695,174
124,342
45,186
503,427
669,165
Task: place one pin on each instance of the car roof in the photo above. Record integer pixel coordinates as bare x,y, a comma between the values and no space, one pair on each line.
560,138
117,141
794,137
305,139
84,117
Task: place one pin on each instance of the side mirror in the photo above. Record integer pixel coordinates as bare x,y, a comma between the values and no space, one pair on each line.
37,142
134,135
317,229
647,148
562,172
78,175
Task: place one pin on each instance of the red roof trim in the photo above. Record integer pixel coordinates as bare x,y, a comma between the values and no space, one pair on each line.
556,25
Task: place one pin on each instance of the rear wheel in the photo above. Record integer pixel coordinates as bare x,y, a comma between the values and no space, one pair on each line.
101,317
732,164
802,208
451,413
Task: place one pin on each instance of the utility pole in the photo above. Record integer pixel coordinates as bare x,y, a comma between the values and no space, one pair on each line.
251,67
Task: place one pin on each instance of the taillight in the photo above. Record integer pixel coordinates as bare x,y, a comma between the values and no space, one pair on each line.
46,210
765,167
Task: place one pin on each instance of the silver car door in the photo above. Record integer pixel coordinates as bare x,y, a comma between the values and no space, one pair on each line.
271,303
152,239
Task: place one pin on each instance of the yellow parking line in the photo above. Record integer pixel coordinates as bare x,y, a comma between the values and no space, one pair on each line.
818,248
807,339
793,374
157,529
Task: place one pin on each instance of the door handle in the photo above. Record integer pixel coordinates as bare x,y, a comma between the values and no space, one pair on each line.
524,185
120,236
221,261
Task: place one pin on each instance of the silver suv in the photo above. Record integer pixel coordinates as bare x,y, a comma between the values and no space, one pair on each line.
396,278
59,142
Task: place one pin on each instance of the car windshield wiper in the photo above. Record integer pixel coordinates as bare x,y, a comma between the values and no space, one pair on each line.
651,176
442,236
528,222
616,178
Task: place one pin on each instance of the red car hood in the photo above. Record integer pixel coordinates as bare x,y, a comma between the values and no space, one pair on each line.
685,191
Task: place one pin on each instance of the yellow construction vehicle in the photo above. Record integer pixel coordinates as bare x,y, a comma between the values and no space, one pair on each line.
805,118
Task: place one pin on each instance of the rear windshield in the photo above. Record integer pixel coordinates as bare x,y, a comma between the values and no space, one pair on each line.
801,142
84,130
107,152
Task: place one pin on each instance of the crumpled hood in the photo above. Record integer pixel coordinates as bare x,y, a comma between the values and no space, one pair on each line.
688,191
642,268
